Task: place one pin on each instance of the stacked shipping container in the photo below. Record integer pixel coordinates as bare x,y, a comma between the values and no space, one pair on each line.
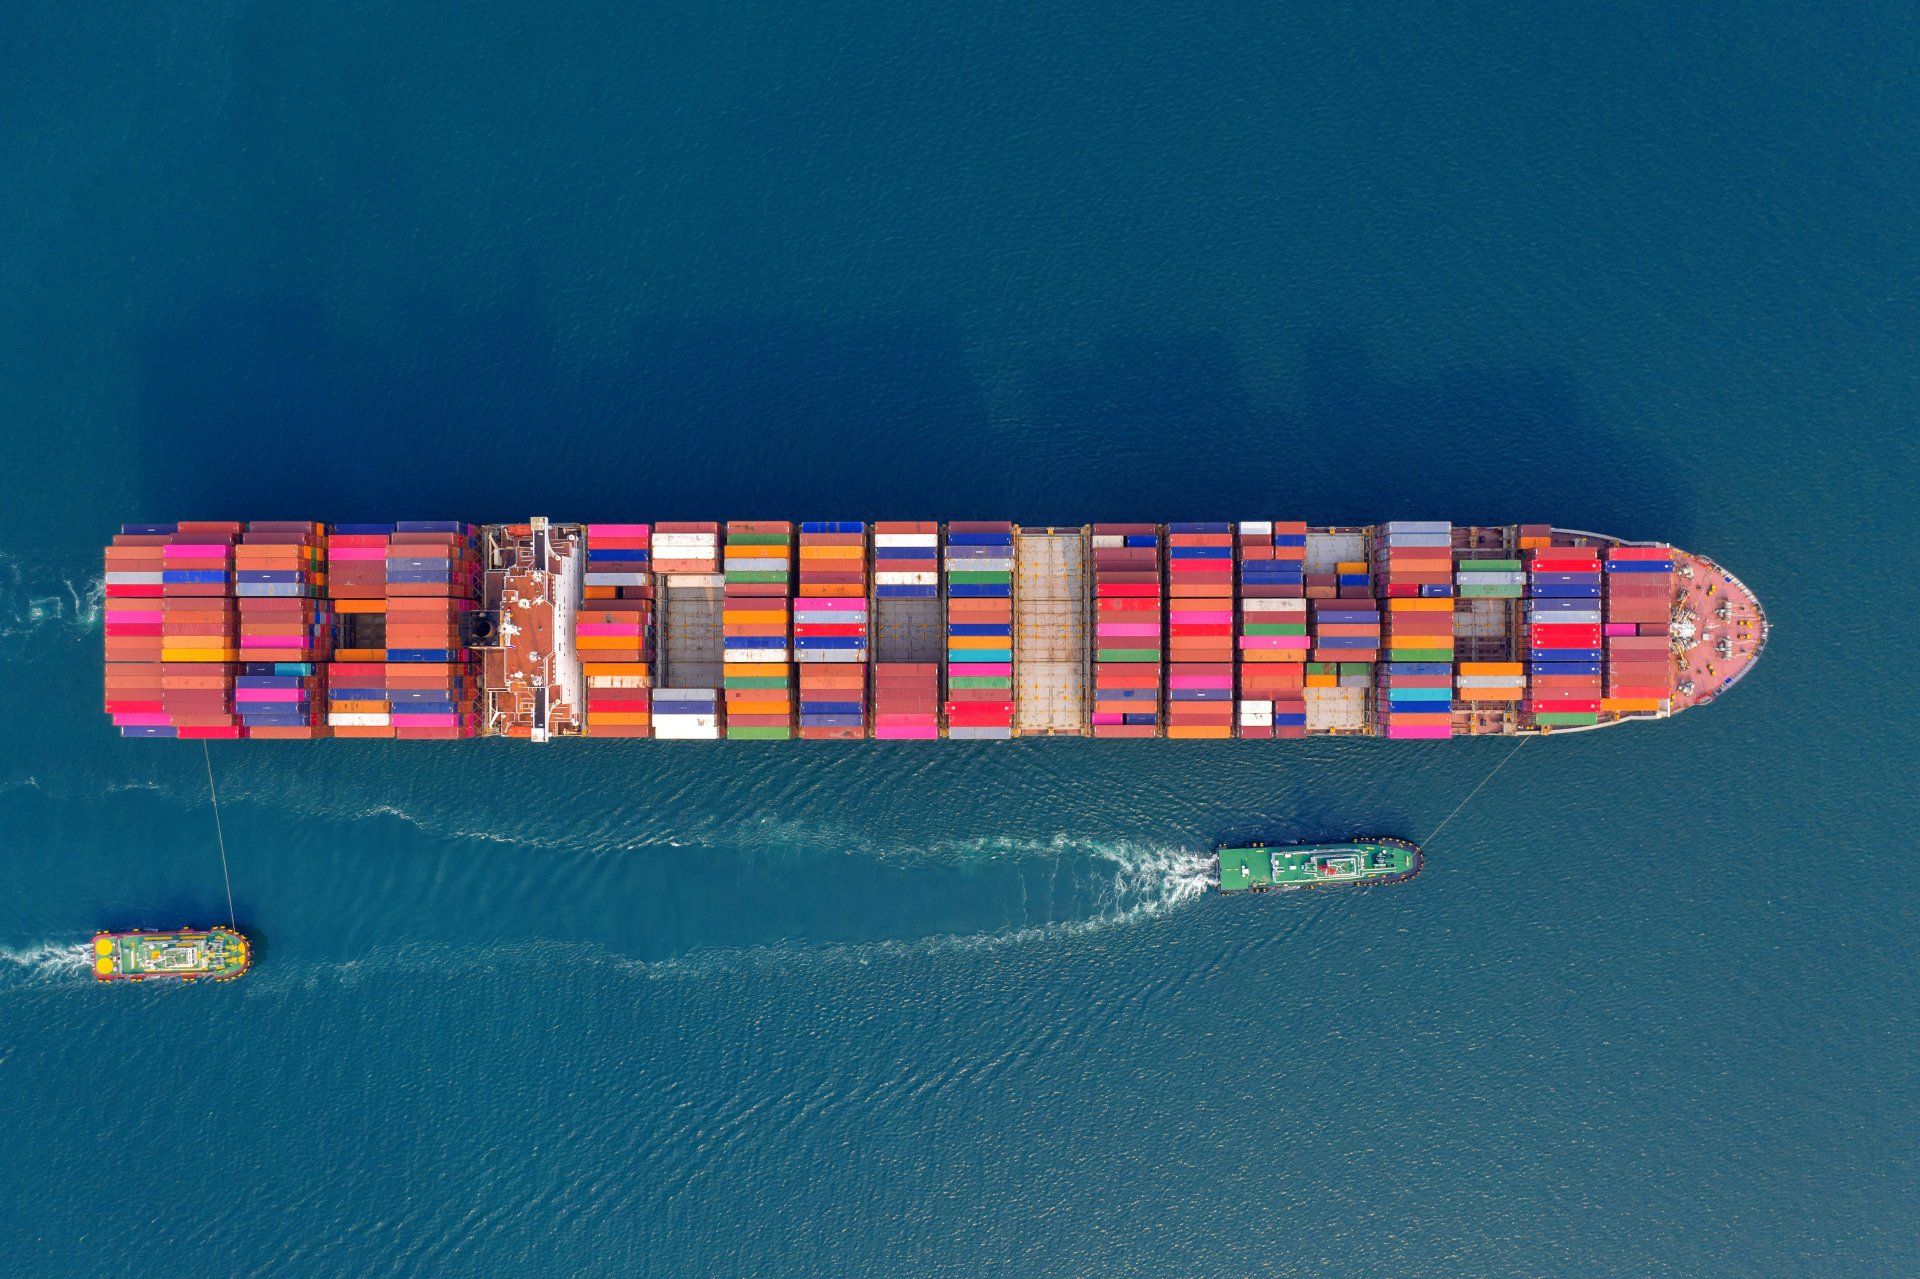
1126,630
1639,603
356,581
979,561
433,577
686,558
170,630
1200,640
759,664
906,594
1415,561
286,629
1272,640
1563,636
614,630
831,630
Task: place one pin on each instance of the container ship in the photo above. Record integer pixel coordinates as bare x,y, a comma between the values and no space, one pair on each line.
1258,868
839,630
215,954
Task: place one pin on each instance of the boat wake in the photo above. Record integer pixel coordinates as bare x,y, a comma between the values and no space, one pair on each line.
1130,885
50,963
40,601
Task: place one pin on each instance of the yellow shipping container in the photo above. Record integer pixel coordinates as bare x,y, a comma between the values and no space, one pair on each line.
756,668
1629,703
619,717
1492,668
1417,604
615,668
1193,731
749,616
978,641
832,552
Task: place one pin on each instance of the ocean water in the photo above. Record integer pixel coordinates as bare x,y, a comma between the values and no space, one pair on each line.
899,1010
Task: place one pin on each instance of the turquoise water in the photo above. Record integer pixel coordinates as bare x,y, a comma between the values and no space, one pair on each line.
948,1011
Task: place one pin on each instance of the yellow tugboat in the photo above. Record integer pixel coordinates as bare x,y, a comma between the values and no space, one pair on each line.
213,954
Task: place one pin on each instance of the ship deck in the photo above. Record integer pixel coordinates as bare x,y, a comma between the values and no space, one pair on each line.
530,677
1050,606
1720,627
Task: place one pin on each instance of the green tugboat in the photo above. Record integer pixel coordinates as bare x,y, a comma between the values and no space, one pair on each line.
1258,868
213,954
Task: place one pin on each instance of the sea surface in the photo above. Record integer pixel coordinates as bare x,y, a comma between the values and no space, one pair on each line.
959,1010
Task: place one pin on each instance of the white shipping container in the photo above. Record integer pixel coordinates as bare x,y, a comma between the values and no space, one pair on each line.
1257,528
134,579
617,579
691,581
1491,681
906,579
906,539
756,655
1252,605
1108,541
1256,721
686,727
1256,708
358,719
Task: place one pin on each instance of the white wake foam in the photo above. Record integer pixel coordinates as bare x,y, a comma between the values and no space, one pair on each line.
38,600
48,963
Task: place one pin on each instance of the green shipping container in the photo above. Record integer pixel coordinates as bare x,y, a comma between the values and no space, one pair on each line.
758,539
1126,655
977,577
1565,719
758,734
755,681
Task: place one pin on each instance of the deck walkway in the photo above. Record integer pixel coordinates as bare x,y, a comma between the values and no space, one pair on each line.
1050,632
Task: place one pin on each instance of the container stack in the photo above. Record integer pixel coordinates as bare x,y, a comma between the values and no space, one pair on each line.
1126,630
831,630
979,563
1490,578
1487,682
1414,559
686,549
433,577
759,664
906,595
1414,563
171,630
1416,692
1639,604
1563,636
356,584
1272,639
1200,643
1346,631
686,558
286,629
613,631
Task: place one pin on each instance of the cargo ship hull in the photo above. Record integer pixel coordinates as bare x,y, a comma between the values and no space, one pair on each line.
213,954
765,630
1259,868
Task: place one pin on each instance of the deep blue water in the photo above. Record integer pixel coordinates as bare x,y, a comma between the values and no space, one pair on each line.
948,1011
